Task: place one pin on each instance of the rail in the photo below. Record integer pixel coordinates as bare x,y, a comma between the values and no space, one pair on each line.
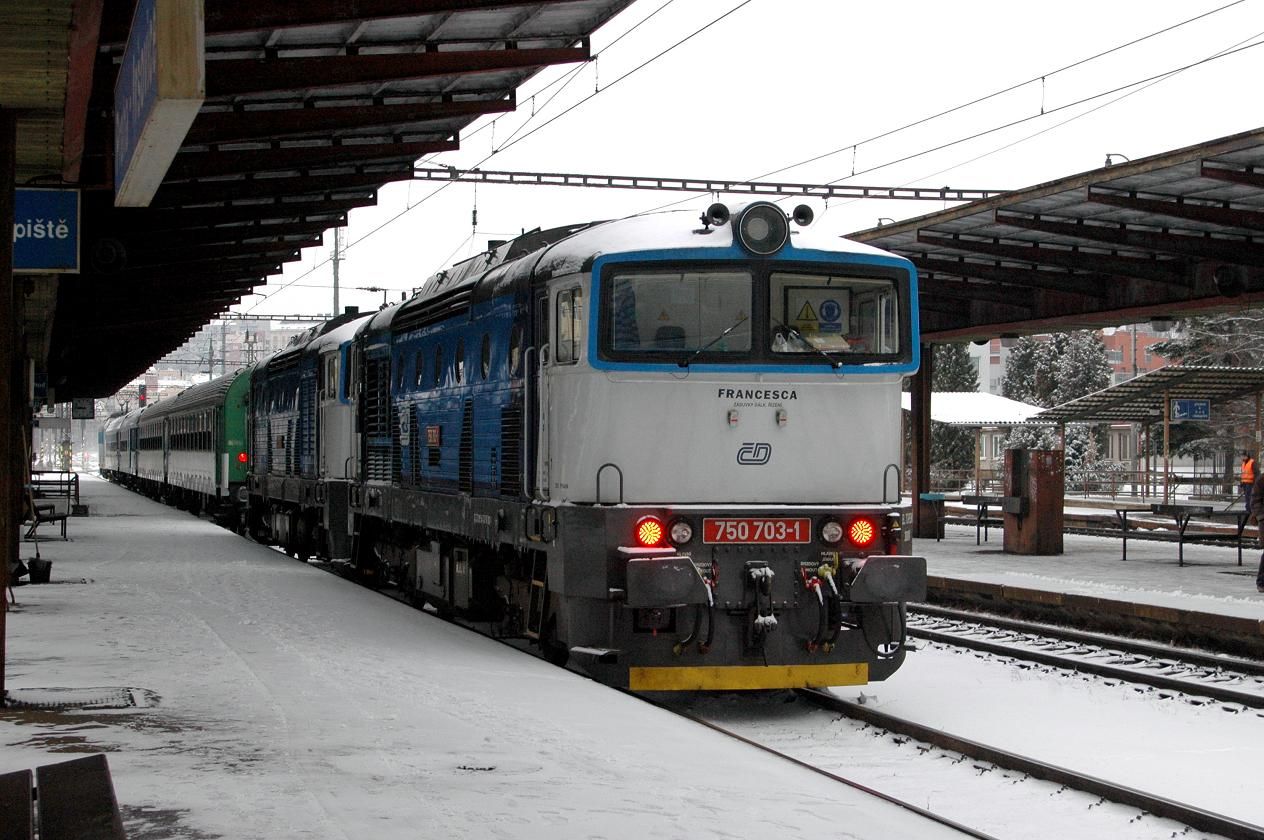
1189,815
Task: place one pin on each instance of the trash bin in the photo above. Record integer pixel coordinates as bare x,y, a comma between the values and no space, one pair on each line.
40,570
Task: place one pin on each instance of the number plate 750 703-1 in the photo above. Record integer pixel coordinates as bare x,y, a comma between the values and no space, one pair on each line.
757,530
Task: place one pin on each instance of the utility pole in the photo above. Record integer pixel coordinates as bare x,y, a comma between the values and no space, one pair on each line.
336,259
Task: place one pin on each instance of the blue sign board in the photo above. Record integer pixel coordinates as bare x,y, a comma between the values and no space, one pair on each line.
136,88
1191,409
45,231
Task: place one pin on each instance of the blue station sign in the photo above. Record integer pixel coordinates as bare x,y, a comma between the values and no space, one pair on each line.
1191,410
45,231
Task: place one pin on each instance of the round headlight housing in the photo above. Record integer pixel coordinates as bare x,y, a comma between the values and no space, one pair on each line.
680,532
649,532
762,228
862,532
831,532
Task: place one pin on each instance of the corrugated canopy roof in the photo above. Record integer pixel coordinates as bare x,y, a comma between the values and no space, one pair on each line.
1175,233
310,109
1140,400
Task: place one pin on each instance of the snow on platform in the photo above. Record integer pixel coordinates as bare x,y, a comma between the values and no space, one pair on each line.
282,701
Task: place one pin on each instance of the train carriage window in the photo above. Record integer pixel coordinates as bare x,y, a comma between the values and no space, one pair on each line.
458,361
485,357
569,326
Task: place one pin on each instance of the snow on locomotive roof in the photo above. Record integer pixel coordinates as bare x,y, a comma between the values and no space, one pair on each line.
570,249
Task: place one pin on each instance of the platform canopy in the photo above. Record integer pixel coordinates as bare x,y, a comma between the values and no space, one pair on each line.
1178,233
309,109
1141,399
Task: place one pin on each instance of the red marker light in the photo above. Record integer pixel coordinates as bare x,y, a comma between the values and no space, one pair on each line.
862,532
242,457
649,531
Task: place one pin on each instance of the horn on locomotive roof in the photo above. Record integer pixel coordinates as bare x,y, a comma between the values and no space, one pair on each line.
803,215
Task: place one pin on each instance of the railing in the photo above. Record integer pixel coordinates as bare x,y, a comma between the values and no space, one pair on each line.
1104,480
56,484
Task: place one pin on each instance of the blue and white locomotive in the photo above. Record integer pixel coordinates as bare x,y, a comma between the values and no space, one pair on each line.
662,449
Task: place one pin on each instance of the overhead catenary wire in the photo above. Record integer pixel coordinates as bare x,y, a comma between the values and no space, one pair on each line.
1043,112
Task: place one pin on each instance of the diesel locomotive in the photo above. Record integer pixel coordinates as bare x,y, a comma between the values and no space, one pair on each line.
664,448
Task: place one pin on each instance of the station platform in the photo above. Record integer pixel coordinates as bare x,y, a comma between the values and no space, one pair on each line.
239,693
1205,600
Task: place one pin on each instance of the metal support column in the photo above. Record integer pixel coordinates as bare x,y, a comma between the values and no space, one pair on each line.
924,519
11,379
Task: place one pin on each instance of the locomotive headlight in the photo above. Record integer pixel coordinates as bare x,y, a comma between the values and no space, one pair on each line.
831,532
681,532
762,228
649,531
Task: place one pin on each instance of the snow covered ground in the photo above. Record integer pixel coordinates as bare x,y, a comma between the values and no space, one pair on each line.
285,702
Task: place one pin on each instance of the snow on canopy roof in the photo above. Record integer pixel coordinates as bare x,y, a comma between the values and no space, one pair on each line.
965,408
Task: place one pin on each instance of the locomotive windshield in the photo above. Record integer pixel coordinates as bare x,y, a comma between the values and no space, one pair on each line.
813,312
657,312
729,315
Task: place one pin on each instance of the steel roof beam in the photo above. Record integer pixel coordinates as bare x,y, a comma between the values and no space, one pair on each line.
245,161
1177,208
268,123
273,231
243,77
1185,245
233,250
1145,269
130,221
1247,177
934,286
85,29
229,16
1085,285
206,192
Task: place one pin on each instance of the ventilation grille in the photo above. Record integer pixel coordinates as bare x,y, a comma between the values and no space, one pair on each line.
465,468
511,451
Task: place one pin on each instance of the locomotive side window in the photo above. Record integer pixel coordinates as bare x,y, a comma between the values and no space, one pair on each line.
485,356
420,368
569,326
458,361
438,366
515,350
680,312
813,313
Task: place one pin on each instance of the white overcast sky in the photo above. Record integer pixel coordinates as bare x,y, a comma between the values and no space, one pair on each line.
779,82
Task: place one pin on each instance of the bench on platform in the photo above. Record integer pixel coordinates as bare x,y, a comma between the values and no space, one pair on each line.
41,512
73,800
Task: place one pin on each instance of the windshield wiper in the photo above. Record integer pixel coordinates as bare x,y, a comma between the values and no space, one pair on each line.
684,363
834,361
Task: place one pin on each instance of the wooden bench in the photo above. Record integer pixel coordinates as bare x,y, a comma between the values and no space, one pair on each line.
74,800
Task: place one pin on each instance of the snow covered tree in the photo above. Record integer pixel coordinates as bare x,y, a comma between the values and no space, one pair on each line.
954,369
1020,370
952,447
1081,367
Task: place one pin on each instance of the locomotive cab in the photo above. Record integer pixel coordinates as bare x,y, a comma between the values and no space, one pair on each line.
719,423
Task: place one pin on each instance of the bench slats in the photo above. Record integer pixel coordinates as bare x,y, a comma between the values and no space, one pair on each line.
76,801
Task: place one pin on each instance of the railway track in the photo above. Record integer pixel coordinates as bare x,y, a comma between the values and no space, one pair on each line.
1189,815
1192,673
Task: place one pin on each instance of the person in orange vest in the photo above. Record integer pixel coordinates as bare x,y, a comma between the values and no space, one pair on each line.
1247,481
1256,517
